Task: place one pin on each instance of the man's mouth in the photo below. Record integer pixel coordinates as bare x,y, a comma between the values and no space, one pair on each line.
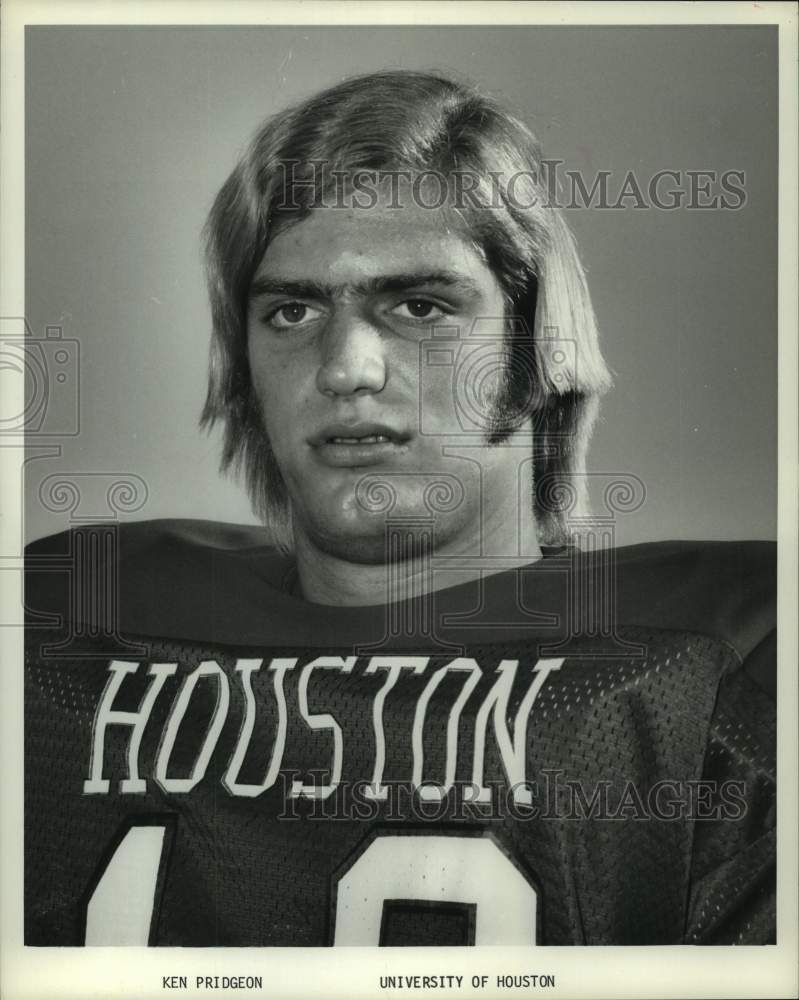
356,445
366,439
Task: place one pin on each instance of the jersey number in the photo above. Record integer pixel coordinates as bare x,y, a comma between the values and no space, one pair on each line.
424,869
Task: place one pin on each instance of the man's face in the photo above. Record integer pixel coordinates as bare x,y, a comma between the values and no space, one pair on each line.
341,305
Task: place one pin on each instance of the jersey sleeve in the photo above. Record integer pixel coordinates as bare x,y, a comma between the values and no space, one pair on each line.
733,877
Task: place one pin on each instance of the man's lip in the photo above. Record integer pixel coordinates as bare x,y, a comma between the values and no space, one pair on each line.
356,446
358,435
358,456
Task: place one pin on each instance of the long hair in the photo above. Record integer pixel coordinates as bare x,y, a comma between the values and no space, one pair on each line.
418,123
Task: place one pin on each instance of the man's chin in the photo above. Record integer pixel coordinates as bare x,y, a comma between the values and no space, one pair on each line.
370,541
367,547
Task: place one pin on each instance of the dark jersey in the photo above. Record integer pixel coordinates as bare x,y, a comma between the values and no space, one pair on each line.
580,751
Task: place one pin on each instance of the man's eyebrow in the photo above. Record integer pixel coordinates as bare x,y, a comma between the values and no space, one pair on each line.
417,279
285,286
305,289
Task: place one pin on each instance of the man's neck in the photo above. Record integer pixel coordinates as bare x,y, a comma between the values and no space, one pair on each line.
417,569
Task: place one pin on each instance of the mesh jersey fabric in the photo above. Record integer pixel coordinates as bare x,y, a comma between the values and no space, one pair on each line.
646,811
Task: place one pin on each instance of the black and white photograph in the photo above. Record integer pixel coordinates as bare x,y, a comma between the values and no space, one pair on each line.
400,428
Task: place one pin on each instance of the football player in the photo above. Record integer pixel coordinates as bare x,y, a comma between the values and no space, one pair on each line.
427,702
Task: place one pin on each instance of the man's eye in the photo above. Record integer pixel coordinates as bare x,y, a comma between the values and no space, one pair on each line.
292,314
418,309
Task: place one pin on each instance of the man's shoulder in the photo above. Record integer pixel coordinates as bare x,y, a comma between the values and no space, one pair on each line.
144,539
727,590
698,578
685,575
169,571
697,553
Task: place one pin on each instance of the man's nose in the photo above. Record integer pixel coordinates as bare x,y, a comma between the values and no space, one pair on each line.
353,358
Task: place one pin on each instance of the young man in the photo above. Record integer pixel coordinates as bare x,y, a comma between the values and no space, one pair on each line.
414,710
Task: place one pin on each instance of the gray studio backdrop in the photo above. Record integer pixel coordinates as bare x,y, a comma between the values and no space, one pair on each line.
130,131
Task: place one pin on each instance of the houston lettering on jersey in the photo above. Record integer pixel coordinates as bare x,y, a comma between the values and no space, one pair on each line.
511,740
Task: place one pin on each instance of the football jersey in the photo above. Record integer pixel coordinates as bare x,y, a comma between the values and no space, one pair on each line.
578,751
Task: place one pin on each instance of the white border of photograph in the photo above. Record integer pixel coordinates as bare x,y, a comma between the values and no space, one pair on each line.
352,973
